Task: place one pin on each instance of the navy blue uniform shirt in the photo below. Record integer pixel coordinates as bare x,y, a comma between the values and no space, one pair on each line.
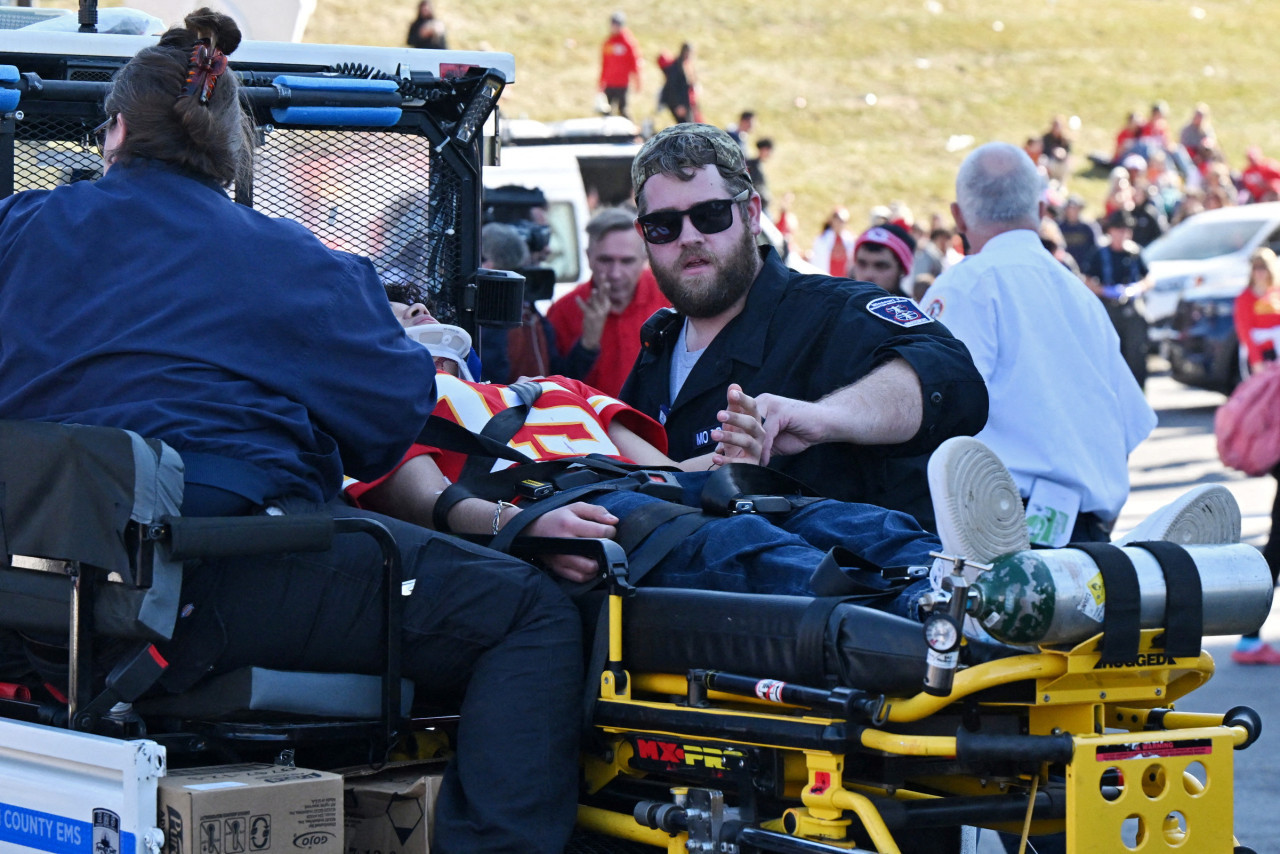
805,336
149,300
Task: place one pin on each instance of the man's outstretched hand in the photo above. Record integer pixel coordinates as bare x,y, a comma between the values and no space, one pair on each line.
790,425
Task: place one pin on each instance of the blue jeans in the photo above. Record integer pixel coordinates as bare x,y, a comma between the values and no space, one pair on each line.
769,554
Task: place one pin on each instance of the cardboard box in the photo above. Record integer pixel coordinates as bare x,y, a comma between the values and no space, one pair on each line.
392,810
251,809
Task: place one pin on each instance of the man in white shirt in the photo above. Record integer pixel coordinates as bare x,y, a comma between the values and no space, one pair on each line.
1065,410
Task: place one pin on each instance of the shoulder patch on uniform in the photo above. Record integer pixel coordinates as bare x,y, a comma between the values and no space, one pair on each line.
899,310
935,307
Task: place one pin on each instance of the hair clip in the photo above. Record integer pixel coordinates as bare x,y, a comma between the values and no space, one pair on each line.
205,66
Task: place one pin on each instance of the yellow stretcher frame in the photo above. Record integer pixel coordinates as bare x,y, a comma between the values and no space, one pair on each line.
1127,789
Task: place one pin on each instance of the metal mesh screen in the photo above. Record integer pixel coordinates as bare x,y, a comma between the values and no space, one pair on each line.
14,18
374,193
52,150
377,192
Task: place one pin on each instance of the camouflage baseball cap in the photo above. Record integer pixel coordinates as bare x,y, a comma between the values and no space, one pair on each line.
685,147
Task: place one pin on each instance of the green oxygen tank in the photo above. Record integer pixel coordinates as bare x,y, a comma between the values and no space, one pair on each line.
1055,596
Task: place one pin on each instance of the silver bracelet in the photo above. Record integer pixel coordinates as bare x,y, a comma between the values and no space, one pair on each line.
497,515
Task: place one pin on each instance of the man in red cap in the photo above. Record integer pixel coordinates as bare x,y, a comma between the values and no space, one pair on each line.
883,255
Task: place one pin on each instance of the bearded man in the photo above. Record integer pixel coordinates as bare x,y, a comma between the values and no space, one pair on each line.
893,383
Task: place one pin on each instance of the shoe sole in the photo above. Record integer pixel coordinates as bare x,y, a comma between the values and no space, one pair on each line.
978,507
1206,515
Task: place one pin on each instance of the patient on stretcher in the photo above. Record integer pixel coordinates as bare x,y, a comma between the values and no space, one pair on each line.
977,505
745,553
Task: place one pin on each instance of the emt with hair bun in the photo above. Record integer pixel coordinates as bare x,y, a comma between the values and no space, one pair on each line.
149,300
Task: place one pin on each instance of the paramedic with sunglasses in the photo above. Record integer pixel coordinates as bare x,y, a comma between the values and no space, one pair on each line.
741,316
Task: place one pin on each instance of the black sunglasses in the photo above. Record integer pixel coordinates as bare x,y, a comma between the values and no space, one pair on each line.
99,134
708,217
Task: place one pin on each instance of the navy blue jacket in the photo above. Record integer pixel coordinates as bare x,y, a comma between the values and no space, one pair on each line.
805,336
149,300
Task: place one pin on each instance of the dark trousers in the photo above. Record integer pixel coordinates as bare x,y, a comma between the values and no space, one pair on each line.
482,631
617,97
1272,550
1090,529
1131,326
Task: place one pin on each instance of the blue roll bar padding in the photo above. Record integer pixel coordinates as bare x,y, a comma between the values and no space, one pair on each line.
340,116
336,84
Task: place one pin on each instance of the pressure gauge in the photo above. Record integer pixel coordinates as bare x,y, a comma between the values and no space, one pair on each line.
941,633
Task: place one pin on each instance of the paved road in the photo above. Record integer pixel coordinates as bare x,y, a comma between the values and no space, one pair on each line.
1178,455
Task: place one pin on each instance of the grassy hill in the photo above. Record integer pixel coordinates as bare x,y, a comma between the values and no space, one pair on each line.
862,96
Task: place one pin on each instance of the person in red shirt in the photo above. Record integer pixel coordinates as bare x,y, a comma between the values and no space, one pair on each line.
1155,133
619,64
597,324
1127,136
1257,310
1261,175
1257,317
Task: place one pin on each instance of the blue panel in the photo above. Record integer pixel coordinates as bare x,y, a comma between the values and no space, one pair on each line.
49,832
336,84
338,116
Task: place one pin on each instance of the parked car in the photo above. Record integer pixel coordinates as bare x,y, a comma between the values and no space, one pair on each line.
1208,253
1203,349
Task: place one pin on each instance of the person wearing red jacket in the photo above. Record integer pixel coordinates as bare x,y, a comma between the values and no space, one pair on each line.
597,324
619,64
1257,321
1257,310
1261,175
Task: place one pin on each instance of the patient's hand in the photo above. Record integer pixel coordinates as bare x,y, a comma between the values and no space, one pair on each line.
578,520
741,435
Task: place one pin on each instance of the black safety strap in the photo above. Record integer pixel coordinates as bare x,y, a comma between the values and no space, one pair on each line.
490,444
1184,600
529,513
597,658
730,485
1121,621
502,427
811,637
664,537
845,574
446,435
644,520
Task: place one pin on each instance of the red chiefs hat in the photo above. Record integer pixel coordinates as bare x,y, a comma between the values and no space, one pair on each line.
895,238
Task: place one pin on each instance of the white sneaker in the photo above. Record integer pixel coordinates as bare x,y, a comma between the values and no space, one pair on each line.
977,504
1206,515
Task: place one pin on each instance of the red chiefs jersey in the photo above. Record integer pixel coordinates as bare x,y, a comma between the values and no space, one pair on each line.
1257,319
570,419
